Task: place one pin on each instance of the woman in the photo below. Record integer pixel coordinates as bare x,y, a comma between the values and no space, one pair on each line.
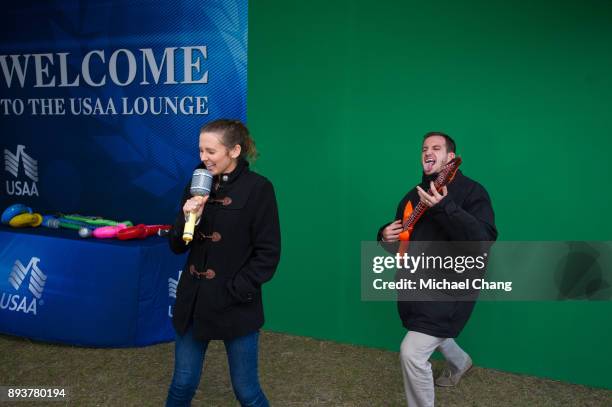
236,248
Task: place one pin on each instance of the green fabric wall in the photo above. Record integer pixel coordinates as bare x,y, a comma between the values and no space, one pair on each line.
340,94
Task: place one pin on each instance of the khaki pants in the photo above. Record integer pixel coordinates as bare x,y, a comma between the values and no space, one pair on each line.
415,351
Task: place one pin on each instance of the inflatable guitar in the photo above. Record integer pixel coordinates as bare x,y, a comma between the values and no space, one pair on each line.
411,216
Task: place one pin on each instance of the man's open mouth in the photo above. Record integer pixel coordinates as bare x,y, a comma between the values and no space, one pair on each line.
428,164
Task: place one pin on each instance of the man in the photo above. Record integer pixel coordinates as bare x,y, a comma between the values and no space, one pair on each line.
460,212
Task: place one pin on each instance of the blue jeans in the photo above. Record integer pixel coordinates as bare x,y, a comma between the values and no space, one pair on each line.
242,359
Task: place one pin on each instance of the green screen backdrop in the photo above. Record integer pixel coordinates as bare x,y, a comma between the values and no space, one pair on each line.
340,95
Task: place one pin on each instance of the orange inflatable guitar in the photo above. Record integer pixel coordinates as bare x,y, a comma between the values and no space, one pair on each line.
411,216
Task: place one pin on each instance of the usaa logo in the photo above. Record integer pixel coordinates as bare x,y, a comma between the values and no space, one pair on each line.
27,304
12,162
172,286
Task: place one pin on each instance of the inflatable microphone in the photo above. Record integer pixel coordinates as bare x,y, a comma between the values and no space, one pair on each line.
12,211
95,221
200,186
141,231
20,216
87,224
26,220
108,232
72,224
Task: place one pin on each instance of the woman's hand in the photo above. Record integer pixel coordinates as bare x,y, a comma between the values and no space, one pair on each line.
195,205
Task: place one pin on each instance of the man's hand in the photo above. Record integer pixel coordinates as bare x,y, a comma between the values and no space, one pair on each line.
391,233
434,198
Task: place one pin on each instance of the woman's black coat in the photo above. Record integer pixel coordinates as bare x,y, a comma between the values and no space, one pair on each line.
236,249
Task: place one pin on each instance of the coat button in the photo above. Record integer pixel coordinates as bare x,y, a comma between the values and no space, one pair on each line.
210,274
250,297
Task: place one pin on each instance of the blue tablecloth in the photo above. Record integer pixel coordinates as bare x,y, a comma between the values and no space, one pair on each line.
55,286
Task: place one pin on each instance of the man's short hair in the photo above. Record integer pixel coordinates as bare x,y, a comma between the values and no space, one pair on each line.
450,143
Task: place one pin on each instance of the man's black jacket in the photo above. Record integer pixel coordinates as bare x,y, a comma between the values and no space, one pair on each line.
465,214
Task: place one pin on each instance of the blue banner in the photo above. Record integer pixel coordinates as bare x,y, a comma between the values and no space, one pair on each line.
105,293
102,101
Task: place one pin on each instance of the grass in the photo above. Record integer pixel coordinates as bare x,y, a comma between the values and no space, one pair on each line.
294,371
